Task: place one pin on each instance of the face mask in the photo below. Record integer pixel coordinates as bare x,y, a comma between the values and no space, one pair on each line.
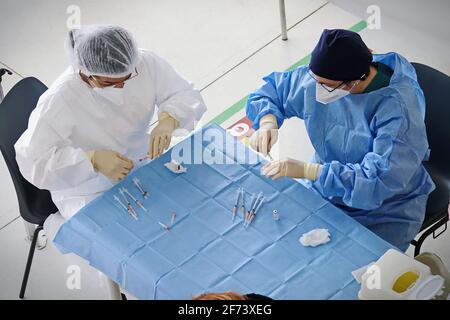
114,95
325,97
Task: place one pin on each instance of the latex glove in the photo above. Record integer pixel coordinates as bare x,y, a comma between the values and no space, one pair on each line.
161,136
266,136
291,168
110,163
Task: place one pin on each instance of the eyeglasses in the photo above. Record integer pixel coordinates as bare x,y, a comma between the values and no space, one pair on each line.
103,84
329,89
131,76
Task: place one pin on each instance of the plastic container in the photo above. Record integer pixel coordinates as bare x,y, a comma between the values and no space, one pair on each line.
396,276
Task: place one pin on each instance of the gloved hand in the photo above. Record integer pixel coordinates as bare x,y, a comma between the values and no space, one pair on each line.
161,136
110,163
266,136
291,168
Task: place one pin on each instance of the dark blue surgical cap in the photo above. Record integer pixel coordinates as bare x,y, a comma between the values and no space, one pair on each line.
340,55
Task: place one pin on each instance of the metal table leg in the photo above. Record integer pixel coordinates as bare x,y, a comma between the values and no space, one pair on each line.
284,36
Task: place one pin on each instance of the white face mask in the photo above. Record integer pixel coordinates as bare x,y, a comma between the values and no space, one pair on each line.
114,95
325,97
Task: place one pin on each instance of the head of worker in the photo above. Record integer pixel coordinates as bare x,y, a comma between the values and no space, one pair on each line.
340,63
105,56
230,295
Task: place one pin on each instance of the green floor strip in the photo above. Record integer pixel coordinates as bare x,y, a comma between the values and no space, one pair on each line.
238,106
359,26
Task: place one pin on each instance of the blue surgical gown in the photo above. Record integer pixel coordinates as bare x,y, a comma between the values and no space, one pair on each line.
371,145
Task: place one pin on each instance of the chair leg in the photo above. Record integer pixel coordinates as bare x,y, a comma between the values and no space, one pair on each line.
113,289
29,229
29,261
430,230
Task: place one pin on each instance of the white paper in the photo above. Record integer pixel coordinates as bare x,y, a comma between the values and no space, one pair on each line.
315,237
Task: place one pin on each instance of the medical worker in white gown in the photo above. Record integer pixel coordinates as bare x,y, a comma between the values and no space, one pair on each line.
91,126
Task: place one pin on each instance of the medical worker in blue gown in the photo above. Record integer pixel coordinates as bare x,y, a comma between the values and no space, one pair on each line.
364,115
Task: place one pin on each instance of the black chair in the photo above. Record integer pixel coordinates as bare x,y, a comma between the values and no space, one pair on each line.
35,205
436,88
3,71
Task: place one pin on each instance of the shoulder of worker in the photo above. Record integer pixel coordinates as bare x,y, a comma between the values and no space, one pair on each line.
55,102
403,97
150,59
296,76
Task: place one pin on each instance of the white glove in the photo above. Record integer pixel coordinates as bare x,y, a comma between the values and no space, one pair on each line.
161,136
291,168
266,136
110,163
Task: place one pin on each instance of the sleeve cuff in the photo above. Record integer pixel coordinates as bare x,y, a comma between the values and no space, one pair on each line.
268,118
163,115
263,114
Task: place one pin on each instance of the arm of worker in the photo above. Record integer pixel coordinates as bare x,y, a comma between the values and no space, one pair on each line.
292,168
47,159
279,98
399,148
180,106
177,97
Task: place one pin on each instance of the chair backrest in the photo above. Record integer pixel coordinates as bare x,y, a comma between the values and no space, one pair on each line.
436,88
35,204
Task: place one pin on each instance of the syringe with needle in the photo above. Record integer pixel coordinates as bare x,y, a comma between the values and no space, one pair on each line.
125,190
125,207
128,203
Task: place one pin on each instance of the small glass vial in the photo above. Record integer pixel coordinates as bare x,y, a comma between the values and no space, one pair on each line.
275,215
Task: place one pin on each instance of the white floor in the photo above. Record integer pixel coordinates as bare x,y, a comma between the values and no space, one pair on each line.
225,47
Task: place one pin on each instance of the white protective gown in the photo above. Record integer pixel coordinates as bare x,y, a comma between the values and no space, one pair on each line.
71,118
